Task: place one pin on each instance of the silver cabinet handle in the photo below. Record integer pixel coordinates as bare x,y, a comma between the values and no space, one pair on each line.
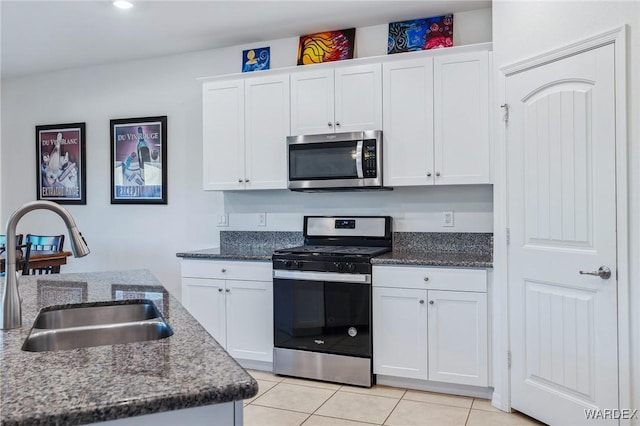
220,290
246,180
223,270
337,123
431,302
426,279
228,290
437,173
330,124
602,272
428,174
240,180
422,302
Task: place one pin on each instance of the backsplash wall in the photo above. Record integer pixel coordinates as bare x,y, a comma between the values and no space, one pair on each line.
413,209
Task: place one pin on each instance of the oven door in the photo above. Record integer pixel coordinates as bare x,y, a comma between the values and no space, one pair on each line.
320,312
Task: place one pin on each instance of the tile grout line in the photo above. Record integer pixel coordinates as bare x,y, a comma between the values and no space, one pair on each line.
466,421
394,407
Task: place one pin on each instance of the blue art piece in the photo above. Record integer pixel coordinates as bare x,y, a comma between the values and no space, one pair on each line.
420,34
255,59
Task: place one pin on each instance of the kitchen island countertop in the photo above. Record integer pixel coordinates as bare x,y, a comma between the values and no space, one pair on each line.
189,369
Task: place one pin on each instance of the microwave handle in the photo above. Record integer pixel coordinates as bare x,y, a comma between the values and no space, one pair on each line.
359,159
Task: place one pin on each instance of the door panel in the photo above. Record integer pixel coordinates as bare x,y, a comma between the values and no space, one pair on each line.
560,140
204,299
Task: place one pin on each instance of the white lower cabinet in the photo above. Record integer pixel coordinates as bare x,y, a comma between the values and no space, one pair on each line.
431,324
400,332
233,301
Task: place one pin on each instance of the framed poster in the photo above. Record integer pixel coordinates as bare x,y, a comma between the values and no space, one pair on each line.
60,162
139,160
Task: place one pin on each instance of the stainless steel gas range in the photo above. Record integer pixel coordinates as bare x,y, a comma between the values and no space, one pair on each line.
322,299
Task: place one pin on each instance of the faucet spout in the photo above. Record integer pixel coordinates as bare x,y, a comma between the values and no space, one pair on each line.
11,315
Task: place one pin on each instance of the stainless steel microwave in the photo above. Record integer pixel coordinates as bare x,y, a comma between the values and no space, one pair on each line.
335,161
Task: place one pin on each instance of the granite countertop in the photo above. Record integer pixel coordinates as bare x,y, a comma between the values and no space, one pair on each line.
188,369
247,245
435,258
258,253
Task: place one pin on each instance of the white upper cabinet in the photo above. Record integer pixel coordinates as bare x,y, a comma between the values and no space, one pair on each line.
436,123
223,135
461,118
245,125
266,131
408,122
343,99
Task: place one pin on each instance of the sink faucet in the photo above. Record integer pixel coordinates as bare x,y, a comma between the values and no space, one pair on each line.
11,304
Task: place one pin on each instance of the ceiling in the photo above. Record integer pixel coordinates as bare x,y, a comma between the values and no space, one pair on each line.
44,36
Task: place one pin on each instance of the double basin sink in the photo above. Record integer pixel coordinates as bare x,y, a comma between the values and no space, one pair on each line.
104,323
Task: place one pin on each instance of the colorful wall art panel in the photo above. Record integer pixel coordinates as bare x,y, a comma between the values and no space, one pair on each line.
326,47
256,59
420,34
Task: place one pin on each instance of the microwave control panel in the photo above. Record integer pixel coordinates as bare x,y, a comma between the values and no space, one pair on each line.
369,167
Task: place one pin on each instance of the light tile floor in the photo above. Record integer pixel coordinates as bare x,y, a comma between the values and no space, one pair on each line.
285,401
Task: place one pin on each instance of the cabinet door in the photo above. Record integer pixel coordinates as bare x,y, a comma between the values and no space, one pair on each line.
312,102
223,135
458,337
204,299
358,98
266,130
408,122
250,320
400,332
461,118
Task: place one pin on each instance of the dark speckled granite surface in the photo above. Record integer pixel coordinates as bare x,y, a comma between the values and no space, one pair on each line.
455,249
188,369
247,245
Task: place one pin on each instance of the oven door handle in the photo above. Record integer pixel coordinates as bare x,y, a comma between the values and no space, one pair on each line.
359,159
322,276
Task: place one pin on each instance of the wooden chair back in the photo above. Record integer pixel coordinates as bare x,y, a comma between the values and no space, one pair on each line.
48,243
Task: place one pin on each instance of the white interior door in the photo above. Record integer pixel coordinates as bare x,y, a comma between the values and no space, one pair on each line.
562,217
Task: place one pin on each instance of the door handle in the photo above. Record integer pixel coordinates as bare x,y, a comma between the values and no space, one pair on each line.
602,272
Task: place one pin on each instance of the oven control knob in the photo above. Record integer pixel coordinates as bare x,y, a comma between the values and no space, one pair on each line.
339,266
351,267
298,264
287,264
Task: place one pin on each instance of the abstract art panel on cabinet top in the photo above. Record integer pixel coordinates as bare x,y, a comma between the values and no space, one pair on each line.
327,46
420,34
256,59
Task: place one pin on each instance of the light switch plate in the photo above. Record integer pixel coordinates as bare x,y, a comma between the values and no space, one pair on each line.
262,219
223,220
447,219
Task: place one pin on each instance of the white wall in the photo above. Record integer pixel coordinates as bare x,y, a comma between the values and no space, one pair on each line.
522,29
139,236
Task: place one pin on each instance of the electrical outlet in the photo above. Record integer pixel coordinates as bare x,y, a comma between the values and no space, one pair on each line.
223,220
262,219
447,219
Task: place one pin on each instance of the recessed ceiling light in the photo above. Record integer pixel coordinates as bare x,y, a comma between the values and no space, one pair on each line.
123,4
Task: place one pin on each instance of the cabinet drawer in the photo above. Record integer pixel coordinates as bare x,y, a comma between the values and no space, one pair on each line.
227,270
430,278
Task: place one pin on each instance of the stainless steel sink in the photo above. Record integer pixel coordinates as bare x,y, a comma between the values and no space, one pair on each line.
111,313
111,323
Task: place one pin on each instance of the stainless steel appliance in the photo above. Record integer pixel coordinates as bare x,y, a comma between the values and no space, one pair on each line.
322,299
336,161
